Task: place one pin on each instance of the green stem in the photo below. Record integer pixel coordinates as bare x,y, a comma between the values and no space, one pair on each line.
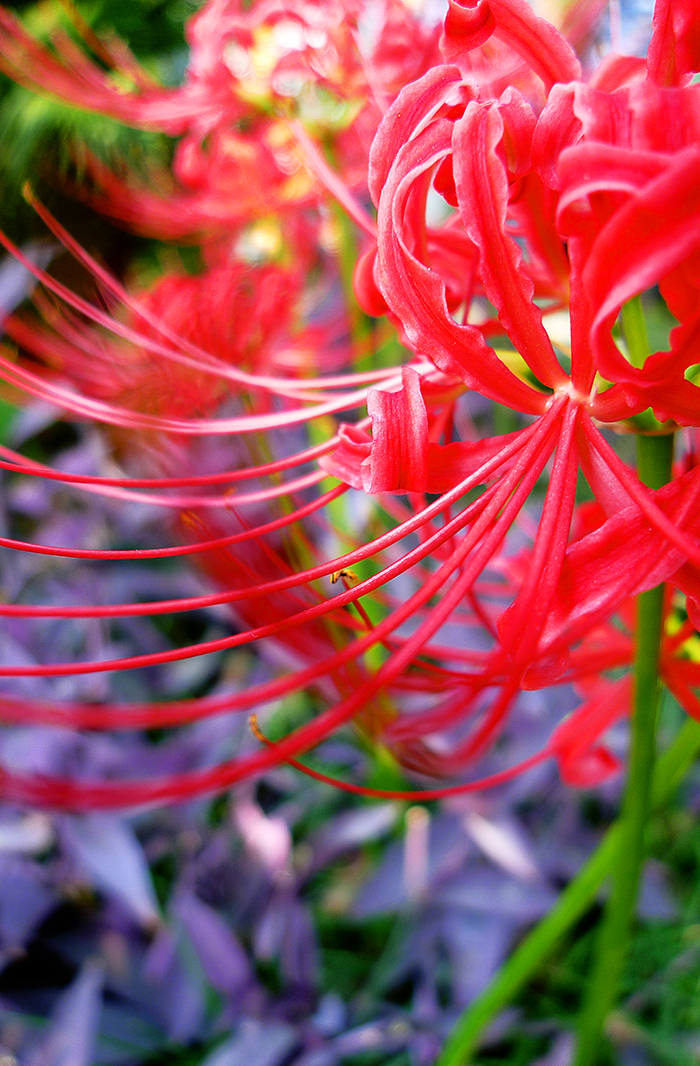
634,331
655,455
574,901
634,328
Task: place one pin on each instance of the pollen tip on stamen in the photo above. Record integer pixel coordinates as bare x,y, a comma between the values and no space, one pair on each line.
256,730
349,577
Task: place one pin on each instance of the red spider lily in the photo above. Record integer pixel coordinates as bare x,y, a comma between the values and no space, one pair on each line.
244,317
597,187
437,631
253,71
568,182
272,600
609,645
511,172
236,313
213,192
446,696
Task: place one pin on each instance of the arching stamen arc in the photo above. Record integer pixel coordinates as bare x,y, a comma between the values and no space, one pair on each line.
291,581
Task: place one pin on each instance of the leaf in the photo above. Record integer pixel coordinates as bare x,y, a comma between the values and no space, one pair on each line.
111,856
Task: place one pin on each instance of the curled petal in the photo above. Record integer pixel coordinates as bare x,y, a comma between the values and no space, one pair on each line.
346,462
400,428
417,295
680,288
358,461
557,127
470,23
518,127
616,71
448,464
648,237
593,169
399,457
583,762
676,401
482,189
415,106
674,50
624,556
466,27
366,289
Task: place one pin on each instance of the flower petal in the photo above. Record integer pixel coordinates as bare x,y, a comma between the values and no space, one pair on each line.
482,189
654,232
398,462
674,50
416,294
469,23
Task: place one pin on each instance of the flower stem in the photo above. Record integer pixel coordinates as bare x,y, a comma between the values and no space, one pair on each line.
655,455
572,904
634,328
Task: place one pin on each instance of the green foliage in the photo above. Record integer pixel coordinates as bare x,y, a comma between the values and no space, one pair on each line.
350,951
660,1010
178,1055
45,141
371,1058
153,28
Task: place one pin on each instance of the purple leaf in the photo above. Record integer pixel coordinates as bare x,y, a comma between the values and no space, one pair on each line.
111,856
503,844
255,1044
16,281
351,829
487,890
29,834
447,848
25,901
223,960
70,1040
180,988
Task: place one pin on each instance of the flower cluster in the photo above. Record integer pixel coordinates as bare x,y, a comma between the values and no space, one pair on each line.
418,569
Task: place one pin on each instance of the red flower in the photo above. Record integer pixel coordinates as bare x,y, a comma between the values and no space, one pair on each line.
443,621
598,188
585,196
254,70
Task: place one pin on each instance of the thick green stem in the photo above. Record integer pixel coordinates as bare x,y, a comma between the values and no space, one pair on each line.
655,456
634,328
572,904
